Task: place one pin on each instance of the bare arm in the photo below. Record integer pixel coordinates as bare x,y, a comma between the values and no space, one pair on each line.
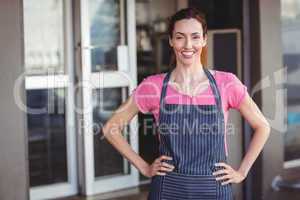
112,131
261,127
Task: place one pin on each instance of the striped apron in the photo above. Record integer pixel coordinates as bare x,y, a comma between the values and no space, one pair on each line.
193,135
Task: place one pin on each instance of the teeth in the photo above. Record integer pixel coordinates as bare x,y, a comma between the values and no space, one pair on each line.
189,53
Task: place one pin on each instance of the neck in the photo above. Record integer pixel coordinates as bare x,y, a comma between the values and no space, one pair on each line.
188,74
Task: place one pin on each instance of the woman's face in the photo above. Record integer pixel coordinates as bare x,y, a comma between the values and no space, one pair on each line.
187,41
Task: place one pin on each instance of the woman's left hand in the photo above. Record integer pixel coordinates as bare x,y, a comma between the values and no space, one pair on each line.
231,174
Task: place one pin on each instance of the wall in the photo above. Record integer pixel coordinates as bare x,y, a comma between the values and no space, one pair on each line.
272,97
13,158
263,73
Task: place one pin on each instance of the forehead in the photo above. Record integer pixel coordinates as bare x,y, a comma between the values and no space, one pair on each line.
188,26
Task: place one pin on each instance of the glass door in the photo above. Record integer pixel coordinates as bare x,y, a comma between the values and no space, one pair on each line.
290,30
108,70
49,93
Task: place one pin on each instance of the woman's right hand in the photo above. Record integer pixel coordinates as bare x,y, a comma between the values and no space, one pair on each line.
158,167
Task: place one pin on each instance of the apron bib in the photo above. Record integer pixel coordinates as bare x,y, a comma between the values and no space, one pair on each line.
193,135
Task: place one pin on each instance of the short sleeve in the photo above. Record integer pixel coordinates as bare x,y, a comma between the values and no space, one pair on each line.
235,91
146,94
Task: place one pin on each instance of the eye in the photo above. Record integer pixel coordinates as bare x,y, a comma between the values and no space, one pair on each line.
196,37
178,37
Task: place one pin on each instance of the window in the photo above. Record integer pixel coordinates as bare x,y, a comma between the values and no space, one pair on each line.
290,19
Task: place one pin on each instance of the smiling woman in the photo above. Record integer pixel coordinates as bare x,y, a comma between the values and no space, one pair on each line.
190,165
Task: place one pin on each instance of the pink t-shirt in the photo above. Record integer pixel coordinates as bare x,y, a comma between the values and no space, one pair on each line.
147,94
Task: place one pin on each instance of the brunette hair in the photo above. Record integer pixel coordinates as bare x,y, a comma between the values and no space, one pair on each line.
187,13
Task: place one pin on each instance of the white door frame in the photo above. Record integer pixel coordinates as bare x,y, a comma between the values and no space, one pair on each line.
124,77
61,81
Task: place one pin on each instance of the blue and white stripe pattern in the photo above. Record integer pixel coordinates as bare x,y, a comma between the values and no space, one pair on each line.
193,135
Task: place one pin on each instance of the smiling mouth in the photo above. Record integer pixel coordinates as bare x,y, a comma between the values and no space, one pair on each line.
187,54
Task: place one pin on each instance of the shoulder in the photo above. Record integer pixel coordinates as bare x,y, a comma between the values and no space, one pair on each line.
152,83
147,93
155,78
226,78
232,88
223,74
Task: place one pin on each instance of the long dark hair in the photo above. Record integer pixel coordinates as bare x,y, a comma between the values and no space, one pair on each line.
188,13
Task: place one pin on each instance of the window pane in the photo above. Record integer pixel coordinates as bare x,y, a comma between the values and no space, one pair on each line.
47,136
105,33
44,41
290,17
103,60
108,161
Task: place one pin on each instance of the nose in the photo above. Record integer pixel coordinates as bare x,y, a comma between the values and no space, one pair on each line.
188,43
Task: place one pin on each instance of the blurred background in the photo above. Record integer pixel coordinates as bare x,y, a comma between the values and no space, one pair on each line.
67,65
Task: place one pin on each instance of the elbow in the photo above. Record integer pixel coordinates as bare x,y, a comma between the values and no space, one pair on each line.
263,128
110,129
266,128
106,129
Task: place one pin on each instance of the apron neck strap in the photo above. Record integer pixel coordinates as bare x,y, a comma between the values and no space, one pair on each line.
216,92
164,87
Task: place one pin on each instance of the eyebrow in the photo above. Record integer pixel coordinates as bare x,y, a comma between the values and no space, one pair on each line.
195,33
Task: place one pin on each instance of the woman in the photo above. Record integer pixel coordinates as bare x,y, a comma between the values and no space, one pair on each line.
190,104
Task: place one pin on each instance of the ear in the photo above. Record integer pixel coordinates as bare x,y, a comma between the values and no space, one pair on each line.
170,42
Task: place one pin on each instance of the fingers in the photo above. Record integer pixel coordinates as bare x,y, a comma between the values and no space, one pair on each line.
160,167
163,157
228,173
164,164
165,169
222,171
160,173
224,177
227,182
